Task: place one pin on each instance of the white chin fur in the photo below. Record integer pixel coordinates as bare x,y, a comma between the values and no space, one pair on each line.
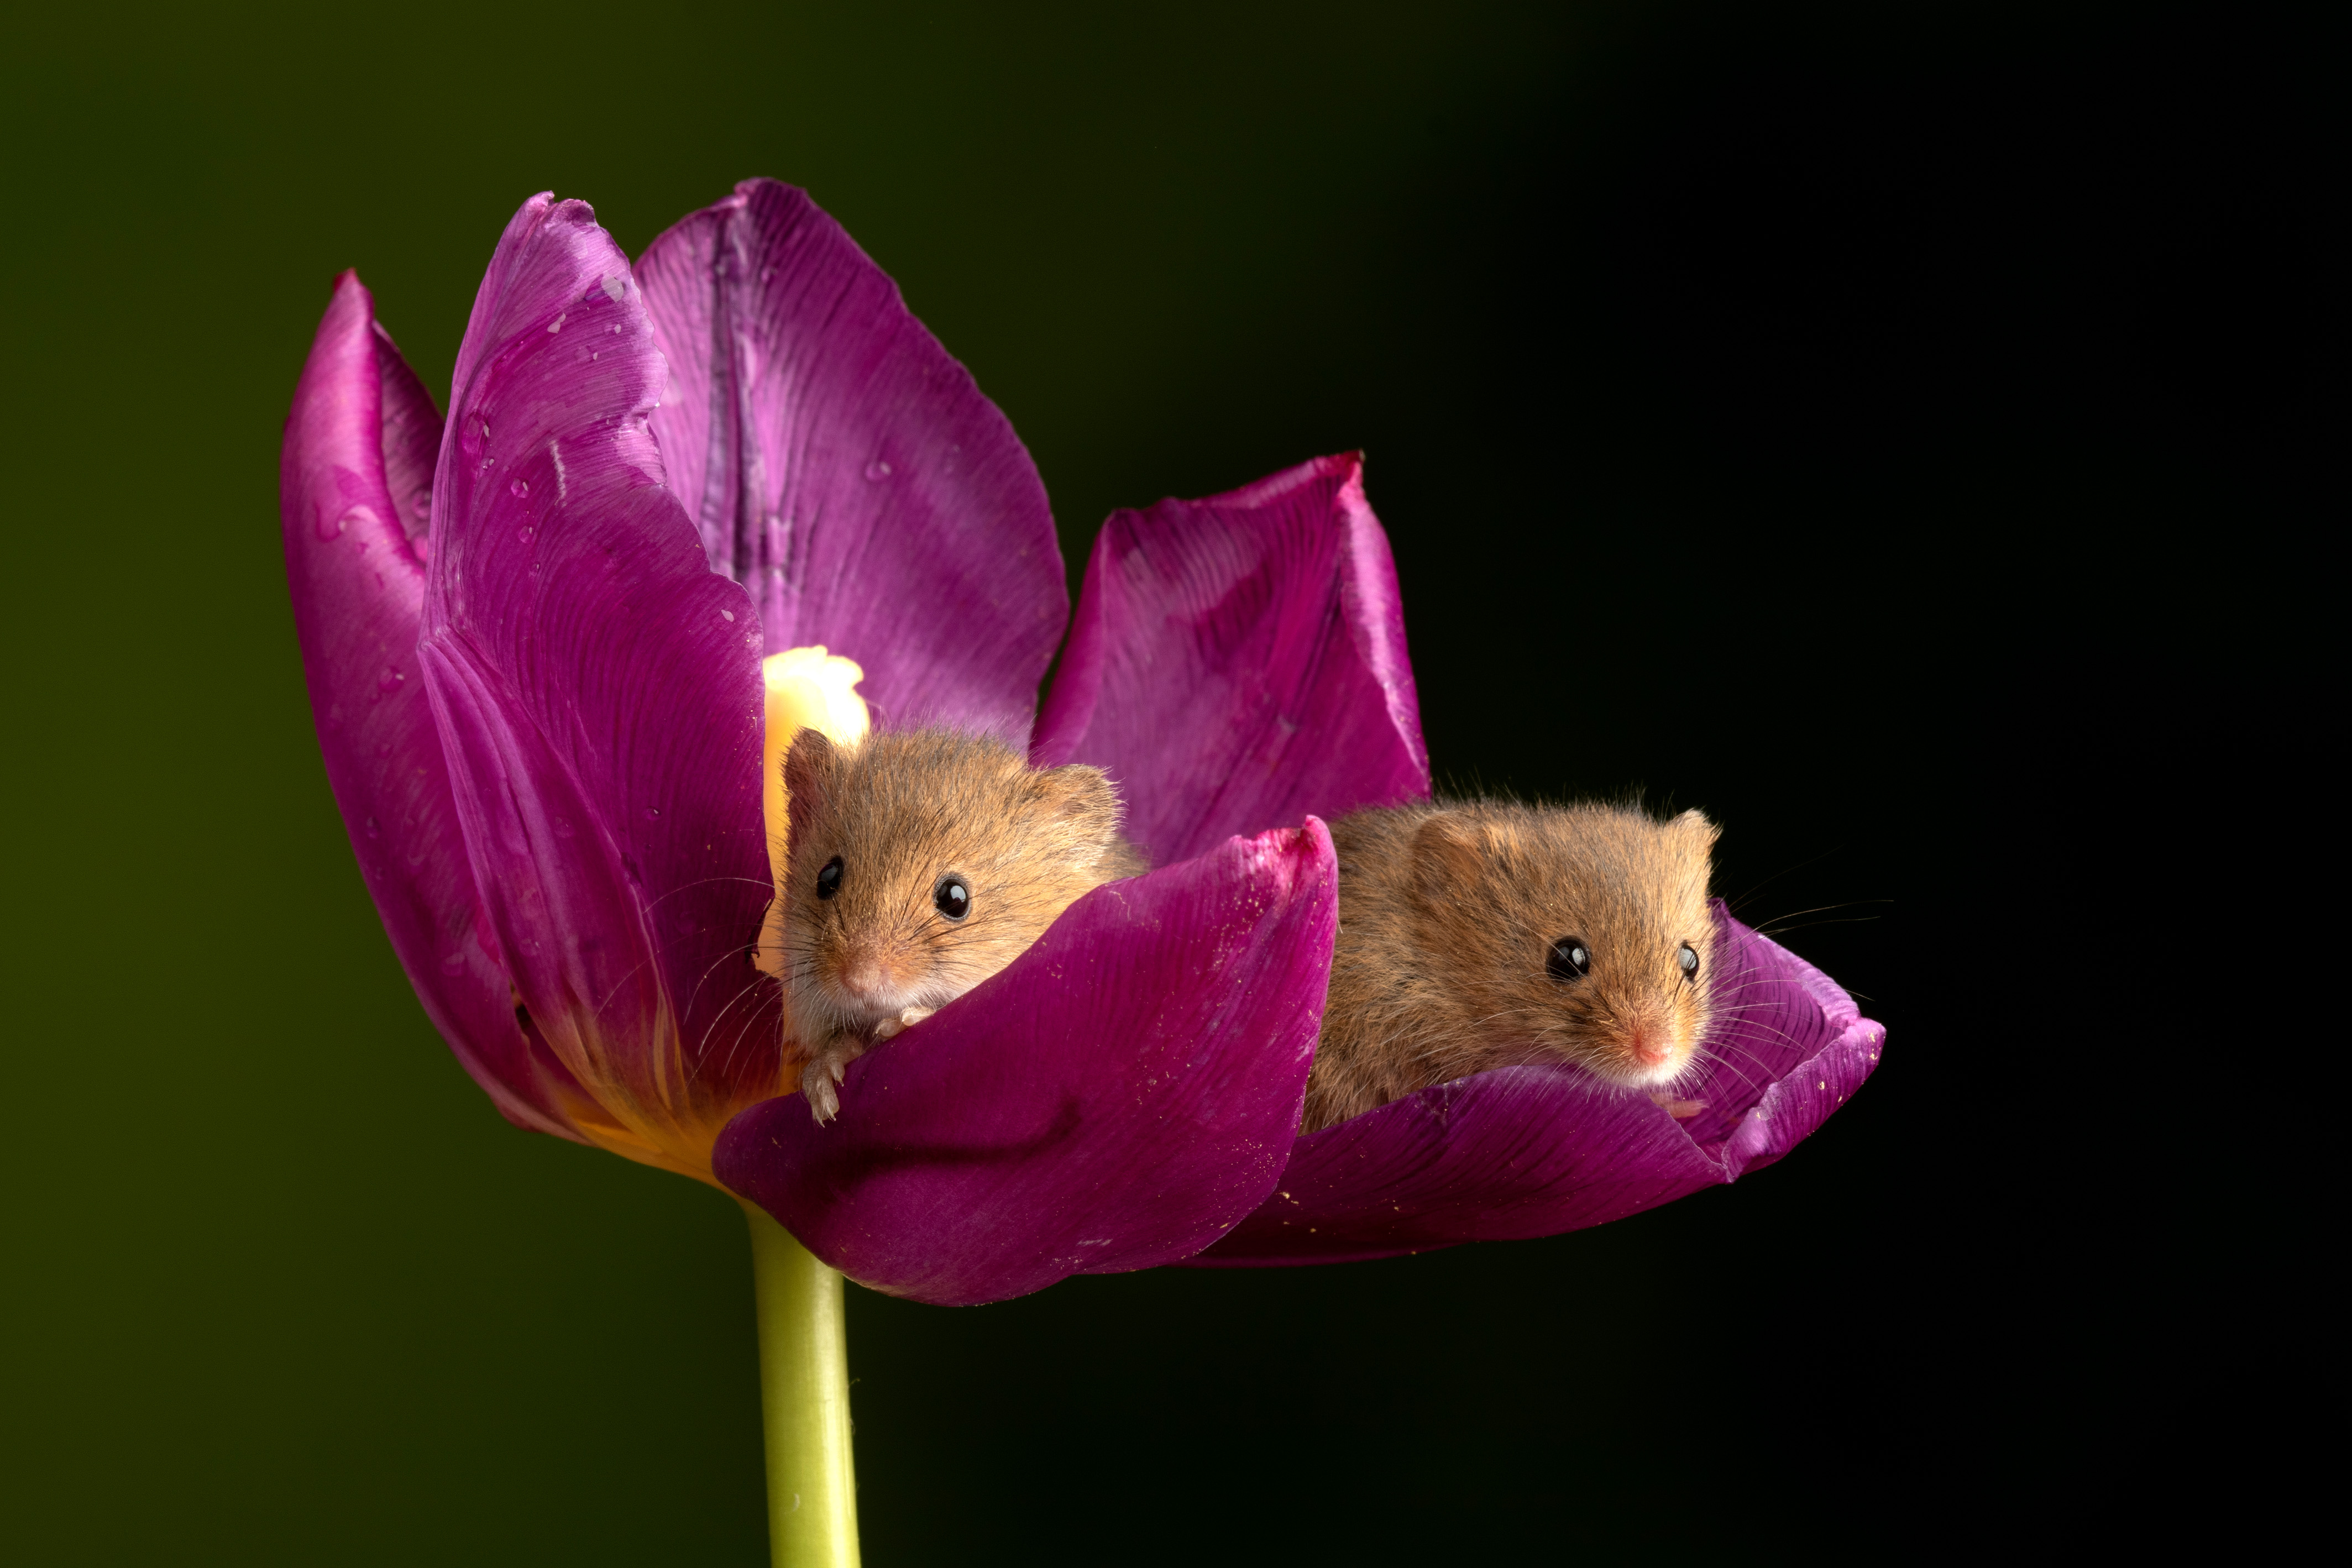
861,1015
1665,1073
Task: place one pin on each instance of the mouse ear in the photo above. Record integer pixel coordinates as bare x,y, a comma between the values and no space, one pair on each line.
1446,855
1083,797
1694,822
808,773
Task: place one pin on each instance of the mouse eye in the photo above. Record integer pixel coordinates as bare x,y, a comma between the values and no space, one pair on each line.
952,897
828,880
1688,959
1570,959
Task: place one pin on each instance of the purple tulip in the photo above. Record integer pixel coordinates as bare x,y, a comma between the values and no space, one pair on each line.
1534,1151
534,650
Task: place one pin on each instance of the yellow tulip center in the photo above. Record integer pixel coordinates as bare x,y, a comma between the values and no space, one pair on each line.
808,688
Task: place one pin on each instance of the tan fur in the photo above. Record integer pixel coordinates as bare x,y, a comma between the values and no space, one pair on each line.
1447,915
902,809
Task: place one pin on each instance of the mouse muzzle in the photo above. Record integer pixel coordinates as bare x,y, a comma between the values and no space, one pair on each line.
868,983
1650,1045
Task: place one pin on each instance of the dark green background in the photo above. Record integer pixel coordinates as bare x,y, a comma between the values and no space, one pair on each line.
1681,341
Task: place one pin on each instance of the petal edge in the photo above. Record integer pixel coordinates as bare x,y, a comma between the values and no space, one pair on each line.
1239,661
1046,1124
361,432
1522,1152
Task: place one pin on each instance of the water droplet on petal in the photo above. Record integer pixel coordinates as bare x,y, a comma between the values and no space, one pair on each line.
556,325
351,517
389,679
371,828
613,289
728,616
518,489
524,533
420,503
652,813
877,469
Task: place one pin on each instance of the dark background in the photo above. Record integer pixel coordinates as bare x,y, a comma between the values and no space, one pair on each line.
1750,393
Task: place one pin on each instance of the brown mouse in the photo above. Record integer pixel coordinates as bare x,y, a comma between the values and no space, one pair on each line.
1479,934
922,862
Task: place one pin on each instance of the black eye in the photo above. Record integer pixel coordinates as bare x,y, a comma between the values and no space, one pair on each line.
1570,959
1688,959
952,897
828,880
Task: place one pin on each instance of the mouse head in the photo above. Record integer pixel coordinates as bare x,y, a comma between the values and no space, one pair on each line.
1584,929
922,862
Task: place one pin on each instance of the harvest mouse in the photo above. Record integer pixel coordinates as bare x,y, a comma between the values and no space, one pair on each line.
1480,934
922,862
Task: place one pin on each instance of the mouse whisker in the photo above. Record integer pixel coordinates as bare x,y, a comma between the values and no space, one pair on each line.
709,882
1754,1088
1718,1050
1817,909
733,955
725,1067
1753,1015
1734,905
1777,932
747,991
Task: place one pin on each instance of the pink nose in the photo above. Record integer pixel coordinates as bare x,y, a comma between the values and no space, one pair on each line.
863,978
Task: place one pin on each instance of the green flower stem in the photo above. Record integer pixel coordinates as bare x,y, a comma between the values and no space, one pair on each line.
803,1402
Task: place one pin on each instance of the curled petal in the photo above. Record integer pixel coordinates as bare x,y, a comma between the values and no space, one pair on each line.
846,471
1239,661
355,483
1533,1151
1116,1098
598,692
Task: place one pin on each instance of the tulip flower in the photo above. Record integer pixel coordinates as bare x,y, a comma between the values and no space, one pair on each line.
1203,675
682,509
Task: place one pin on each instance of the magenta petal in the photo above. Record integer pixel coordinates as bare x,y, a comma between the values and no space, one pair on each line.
1115,1099
354,481
848,472
598,690
1533,1151
1238,663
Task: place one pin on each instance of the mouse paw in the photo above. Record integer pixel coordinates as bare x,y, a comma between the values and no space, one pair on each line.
828,1067
816,1088
892,1026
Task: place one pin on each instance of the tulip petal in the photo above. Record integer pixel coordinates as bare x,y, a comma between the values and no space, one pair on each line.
1240,662
597,688
354,483
1116,1098
1533,1151
847,471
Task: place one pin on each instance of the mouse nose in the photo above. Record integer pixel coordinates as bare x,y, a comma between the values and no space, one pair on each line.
1649,1041
863,977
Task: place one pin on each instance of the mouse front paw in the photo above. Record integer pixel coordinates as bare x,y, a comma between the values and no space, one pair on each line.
825,1068
891,1026
816,1088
